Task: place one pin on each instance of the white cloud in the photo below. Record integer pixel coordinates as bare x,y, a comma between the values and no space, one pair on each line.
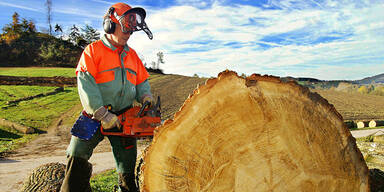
19,6
359,27
79,12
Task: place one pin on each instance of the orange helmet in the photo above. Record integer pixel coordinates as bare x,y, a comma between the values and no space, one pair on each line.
130,19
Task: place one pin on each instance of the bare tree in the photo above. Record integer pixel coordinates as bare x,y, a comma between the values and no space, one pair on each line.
153,65
48,3
160,59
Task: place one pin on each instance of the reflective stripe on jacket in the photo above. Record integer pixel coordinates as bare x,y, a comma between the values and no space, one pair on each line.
105,77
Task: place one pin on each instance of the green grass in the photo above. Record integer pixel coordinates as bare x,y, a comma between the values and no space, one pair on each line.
10,139
37,71
104,181
40,112
13,92
365,139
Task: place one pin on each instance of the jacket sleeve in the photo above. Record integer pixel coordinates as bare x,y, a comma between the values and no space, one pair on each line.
143,89
89,92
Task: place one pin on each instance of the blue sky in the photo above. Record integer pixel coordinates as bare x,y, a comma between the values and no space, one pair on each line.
324,39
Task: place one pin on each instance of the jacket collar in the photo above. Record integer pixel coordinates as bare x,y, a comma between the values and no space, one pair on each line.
110,46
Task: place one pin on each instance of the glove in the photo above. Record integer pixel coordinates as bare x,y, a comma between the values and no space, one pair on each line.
148,98
108,120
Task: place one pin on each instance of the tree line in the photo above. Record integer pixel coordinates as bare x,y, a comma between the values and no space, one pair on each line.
22,45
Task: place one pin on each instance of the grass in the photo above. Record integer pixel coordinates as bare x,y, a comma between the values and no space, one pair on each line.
104,181
10,139
39,112
372,152
13,92
37,71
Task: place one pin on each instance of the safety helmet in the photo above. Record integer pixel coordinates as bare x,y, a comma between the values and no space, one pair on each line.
130,19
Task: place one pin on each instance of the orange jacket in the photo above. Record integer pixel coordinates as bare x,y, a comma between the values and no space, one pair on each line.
107,77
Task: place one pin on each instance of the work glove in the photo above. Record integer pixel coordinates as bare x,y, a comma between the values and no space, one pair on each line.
148,98
108,120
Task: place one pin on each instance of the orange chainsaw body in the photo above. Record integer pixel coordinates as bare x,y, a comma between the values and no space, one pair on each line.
137,122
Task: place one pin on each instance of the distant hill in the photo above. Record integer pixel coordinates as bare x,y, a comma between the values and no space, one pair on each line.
368,80
373,79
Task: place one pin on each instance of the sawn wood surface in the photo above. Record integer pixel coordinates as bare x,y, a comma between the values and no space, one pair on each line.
254,134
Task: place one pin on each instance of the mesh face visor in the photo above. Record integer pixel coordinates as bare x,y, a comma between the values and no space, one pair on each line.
132,21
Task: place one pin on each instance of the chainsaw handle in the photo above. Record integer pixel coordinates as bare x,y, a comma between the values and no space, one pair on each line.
147,103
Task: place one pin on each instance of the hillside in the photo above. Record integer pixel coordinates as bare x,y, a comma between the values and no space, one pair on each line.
174,89
374,79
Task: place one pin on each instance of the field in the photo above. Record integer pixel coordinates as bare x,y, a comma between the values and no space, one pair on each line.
44,112
37,113
37,71
355,106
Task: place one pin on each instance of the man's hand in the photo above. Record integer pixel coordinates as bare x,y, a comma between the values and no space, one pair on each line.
148,98
108,120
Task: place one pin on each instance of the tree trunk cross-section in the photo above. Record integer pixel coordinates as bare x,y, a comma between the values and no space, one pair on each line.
254,134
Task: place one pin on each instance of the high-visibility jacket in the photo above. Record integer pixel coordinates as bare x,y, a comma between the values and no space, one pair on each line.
107,77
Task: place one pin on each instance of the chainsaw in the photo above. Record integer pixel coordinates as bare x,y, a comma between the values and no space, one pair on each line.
137,121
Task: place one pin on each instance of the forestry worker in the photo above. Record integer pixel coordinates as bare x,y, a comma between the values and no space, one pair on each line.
110,76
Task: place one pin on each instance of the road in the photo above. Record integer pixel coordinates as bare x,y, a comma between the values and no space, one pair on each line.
364,133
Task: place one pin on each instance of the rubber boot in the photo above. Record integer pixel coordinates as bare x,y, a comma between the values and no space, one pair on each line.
127,183
77,175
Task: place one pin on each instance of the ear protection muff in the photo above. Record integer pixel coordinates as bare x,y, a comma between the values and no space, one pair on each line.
108,25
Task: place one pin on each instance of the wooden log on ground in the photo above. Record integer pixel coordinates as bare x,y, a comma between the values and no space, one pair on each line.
372,123
254,134
48,178
360,124
21,128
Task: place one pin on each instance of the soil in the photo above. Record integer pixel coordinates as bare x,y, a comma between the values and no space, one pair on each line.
40,81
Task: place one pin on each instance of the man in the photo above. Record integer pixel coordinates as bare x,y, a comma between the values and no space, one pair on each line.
110,77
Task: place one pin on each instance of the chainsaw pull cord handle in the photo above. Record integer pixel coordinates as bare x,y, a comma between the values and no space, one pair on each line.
142,108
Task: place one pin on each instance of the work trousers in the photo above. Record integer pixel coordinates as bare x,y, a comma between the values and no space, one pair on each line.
124,151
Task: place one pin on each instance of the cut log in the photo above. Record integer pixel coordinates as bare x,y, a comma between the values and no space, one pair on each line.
372,123
47,178
21,128
254,134
360,124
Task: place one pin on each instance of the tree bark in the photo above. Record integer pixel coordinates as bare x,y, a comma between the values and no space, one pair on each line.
254,134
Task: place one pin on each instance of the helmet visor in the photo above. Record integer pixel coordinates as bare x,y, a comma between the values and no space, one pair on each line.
132,21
